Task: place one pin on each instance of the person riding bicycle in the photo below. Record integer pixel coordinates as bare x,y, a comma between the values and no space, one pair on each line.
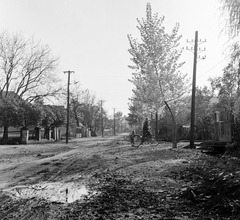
145,131
132,137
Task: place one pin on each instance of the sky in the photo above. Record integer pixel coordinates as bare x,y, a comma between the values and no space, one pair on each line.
90,38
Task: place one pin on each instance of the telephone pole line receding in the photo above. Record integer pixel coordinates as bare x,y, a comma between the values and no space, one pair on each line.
114,123
102,116
194,86
68,97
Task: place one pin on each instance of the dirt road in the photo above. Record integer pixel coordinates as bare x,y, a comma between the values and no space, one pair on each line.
48,181
26,164
29,164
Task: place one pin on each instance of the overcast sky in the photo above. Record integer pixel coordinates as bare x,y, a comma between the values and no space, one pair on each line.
90,37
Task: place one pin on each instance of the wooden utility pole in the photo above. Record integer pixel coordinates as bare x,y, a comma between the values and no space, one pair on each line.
114,122
193,91
102,116
196,50
68,97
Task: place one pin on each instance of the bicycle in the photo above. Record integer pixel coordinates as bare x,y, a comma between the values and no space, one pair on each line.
137,139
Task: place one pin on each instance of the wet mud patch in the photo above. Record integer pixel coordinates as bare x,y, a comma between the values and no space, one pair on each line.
53,191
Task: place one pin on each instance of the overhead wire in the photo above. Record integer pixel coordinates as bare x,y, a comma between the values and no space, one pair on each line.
214,66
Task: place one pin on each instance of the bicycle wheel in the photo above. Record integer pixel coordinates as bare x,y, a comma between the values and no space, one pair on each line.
148,138
137,140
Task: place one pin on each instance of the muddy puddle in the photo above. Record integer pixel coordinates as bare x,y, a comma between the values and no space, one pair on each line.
52,191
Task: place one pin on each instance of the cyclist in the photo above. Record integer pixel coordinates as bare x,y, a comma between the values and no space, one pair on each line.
145,131
132,137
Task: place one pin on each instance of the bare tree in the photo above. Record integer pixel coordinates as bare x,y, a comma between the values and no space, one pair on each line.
26,68
85,108
27,73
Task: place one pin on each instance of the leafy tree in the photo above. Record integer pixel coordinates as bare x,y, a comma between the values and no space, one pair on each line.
205,109
231,8
226,87
52,116
157,77
17,112
9,115
136,115
29,114
118,117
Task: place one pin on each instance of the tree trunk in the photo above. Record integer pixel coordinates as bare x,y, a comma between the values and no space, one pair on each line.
76,116
5,134
156,125
174,127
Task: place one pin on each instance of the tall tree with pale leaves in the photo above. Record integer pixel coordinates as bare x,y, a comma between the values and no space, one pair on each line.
156,65
231,9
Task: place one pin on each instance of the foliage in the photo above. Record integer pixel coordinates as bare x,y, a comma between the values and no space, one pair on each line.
118,121
26,74
16,112
226,87
231,9
204,117
204,114
156,67
30,114
53,116
157,77
136,115
9,112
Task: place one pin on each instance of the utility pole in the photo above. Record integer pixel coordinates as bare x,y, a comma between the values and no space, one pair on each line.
192,127
68,97
114,122
102,116
193,92
156,125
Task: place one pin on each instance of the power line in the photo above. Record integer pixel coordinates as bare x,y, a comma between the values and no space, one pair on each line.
214,66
